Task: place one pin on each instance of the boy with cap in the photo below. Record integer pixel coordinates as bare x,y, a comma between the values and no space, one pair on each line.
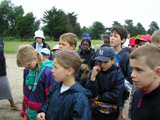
106,83
132,43
146,77
46,53
144,39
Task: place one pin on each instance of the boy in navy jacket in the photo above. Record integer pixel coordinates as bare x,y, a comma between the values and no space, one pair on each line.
106,83
117,38
146,76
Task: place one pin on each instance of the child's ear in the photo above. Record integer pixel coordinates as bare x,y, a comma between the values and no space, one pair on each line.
70,71
123,40
157,70
73,47
113,60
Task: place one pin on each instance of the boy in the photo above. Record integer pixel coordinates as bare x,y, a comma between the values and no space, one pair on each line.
67,41
106,83
156,38
132,43
46,53
117,38
146,76
144,39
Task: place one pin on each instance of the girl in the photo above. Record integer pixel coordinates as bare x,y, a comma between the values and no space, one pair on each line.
85,52
38,80
67,100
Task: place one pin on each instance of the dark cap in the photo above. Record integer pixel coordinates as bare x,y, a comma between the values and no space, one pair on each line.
104,54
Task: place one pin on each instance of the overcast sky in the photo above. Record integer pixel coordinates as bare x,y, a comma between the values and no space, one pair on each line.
105,11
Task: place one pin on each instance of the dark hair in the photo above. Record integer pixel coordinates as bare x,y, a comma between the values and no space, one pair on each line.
87,40
106,44
121,31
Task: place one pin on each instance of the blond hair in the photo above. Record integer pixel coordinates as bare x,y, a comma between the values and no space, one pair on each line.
69,58
151,54
156,37
26,53
71,38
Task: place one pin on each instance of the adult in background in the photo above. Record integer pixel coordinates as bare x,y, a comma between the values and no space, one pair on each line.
5,90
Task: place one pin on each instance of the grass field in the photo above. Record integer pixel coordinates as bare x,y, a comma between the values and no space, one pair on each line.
12,46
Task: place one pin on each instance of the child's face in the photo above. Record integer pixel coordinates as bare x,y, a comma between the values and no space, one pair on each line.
105,65
143,43
85,46
115,39
39,40
31,64
142,75
64,45
133,47
59,72
45,56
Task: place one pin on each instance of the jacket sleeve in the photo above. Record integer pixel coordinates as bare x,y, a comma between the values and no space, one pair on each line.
92,86
115,95
82,108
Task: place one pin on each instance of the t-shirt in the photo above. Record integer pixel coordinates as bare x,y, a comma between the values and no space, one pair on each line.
63,88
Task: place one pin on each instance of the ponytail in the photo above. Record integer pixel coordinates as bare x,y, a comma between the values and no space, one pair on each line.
85,71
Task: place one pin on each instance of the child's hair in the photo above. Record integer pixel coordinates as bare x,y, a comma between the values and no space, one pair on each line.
69,58
121,31
156,37
71,38
151,54
87,40
106,44
27,53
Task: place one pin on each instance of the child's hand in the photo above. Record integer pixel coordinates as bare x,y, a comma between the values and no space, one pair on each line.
41,116
96,69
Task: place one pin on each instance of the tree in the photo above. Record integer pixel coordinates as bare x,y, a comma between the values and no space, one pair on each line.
153,27
73,25
97,30
130,27
56,23
25,25
140,30
116,23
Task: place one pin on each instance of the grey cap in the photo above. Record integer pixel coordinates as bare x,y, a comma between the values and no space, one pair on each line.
104,54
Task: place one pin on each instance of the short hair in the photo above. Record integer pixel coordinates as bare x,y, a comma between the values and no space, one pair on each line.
121,31
68,58
26,53
87,40
150,52
71,38
156,37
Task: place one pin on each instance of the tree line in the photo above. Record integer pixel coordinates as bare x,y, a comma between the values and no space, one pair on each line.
14,23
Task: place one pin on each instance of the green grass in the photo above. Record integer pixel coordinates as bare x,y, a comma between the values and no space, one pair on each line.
12,46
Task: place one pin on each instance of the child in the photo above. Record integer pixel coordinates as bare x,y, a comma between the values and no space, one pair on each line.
5,90
146,76
46,53
106,82
67,41
144,39
38,80
117,38
132,43
156,38
85,52
67,100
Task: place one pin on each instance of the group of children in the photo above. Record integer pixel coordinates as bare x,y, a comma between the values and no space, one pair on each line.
66,88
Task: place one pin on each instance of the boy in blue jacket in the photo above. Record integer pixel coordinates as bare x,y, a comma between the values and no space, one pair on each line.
106,83
146,76
117,38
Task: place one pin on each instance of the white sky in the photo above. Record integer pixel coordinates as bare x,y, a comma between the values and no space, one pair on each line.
105,11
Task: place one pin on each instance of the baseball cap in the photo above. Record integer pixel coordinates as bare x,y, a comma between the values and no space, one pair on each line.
45,51
104,54
86,35
145,38
132,41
